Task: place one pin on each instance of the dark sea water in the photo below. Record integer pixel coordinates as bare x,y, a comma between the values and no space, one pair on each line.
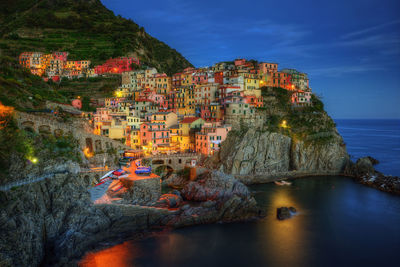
377,138
339,223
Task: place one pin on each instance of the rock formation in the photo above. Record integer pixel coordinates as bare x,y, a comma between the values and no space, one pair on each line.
364,172
259,156
57,222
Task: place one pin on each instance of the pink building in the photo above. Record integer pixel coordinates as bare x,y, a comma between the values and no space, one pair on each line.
254,101
209,139
266,67
200,78
158,99
240,61
301,98
154,135
77,103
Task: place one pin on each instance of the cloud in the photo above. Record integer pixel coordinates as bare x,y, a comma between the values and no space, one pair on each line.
369,29
376,40
337,71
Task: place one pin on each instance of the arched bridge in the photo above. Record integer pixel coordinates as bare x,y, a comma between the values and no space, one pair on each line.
174,161
48,124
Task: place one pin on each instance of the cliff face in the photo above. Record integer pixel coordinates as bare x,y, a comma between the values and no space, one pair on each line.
260,155
44,215
53,222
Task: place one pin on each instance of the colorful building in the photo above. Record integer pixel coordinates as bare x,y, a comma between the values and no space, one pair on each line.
209,139
117,65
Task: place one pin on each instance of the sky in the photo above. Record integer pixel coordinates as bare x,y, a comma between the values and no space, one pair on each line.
350,49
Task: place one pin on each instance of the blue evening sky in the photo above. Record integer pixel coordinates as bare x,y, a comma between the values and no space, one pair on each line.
349,48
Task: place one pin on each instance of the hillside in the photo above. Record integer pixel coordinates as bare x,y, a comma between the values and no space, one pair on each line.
84,28
23,90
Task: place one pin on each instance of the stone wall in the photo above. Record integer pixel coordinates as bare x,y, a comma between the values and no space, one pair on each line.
45,123
142,192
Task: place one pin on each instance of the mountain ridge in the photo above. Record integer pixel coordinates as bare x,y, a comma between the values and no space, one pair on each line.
84,28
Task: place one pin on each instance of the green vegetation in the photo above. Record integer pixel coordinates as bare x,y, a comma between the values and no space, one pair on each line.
21,146
23,90
185,173
27,147
58,147
86,29
309,123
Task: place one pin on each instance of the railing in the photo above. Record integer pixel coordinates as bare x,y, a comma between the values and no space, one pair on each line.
31,180
180,155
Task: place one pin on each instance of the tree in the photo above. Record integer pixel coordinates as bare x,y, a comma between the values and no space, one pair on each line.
86,104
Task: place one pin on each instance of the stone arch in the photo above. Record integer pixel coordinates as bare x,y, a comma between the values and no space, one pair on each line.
28,126
97,145
170,161
58,132
164,171
169,169
89,144
44,129
158,162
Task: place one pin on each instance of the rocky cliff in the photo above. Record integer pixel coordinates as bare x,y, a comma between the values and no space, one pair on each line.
52,222
259,156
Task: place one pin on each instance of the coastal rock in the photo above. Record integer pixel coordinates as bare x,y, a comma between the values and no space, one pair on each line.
214,185
222,198
169,201
174,181
364,172
58,218
292,210
284,213
259,156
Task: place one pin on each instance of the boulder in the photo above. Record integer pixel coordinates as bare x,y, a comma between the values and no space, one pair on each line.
292,210
284,213
169,201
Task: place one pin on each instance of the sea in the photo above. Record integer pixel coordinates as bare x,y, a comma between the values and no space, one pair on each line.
339,222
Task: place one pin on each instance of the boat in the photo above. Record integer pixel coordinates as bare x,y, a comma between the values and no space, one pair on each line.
143,170
282,182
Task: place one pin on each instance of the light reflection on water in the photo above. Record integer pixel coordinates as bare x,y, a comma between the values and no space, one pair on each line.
287,235
117,256
339,223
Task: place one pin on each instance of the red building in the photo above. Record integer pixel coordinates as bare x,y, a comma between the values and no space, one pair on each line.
117,65
254,101
219,77
60,56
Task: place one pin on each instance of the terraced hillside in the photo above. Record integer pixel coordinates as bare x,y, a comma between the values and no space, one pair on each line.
84,28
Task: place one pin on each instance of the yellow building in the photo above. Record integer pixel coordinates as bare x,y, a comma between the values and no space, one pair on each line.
167,118
135,139
186,79
117,129
186,132
251,84
163,85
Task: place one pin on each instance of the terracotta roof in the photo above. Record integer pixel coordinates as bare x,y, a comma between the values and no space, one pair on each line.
189,119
